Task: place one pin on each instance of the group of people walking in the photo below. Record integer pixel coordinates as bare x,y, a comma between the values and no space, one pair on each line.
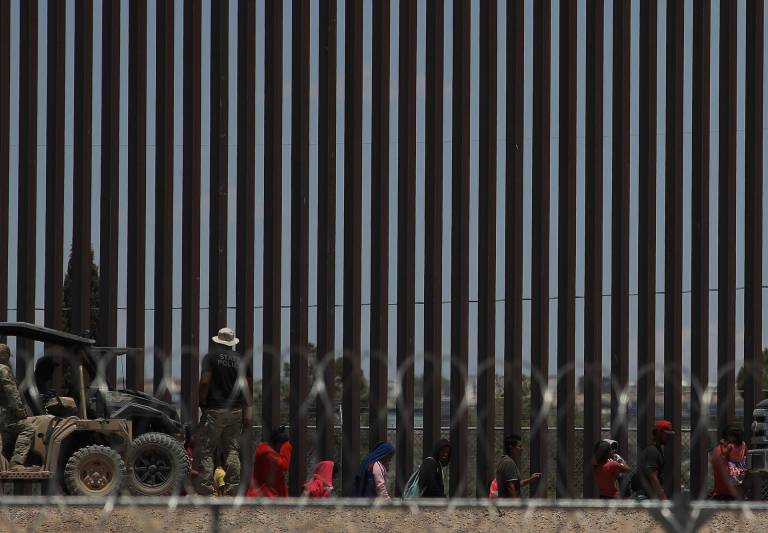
226,411
614,478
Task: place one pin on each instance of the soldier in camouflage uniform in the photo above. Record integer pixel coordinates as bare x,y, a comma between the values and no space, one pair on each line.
13,414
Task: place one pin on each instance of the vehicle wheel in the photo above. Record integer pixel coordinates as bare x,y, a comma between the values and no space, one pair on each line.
158,465
94,471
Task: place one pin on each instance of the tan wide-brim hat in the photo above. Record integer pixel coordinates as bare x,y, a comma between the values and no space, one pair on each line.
226,337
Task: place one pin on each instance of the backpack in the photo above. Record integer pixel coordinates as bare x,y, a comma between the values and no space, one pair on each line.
411,491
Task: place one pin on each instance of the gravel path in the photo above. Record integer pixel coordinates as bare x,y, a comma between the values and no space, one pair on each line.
83,520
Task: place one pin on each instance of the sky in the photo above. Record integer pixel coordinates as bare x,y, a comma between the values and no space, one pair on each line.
420,191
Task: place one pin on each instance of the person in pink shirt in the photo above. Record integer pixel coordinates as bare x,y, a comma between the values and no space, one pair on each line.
371,478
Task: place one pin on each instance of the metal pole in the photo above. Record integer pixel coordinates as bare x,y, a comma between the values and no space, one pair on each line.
753,225
726,241
513,307
219,184
353,181
273,213
27,202
566,305
137,189
190,250
673,270
246,206
486,309
540,244
433,257
377,411
54,169
646,231
110,181
620,221
82,249
406,239
164,199
326,227
5,126
462,16
299,241
700,249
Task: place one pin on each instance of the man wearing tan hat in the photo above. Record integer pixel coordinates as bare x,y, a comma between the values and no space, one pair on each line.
13,414
225,400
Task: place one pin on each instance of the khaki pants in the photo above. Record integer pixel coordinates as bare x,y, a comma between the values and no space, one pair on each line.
23,433
220,430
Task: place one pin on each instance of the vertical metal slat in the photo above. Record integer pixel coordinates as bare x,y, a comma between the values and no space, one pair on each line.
190,235
700,249
433,258
540,243
566,306
462,24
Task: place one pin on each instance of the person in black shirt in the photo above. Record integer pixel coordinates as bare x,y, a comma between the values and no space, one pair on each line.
648,481
225,404
431,471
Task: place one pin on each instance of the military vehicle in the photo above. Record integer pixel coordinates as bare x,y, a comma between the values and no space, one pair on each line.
756,484
91,439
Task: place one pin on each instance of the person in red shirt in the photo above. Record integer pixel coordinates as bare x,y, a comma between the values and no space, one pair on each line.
270,466
606,470
728,465
321,483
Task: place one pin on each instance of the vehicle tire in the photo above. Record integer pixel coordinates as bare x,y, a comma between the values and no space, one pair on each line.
94,471
158,465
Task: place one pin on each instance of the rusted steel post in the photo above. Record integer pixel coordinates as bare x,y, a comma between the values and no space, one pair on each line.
673,269
726,225
406,237
5,126
190,250
273,212
462,24
646,230
700,249
82,251
27,219
486,308
593,241
540,244
377,405
622,14
110,181
54,170
137,189
513,305
217,284
299,241
566,269
593,221
246,206
753,213
433,257
353,181
326,228
164,200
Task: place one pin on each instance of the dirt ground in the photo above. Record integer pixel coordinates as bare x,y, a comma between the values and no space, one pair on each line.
354,520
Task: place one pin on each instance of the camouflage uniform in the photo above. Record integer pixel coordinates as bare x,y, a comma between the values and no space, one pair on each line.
219,430
13,414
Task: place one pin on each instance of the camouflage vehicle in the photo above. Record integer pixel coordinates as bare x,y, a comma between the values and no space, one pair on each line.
91,439
756,484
